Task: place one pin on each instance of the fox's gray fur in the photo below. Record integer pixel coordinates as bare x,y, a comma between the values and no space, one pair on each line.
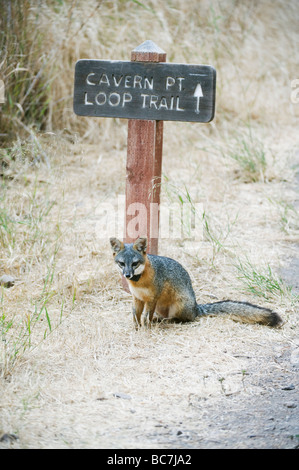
159,284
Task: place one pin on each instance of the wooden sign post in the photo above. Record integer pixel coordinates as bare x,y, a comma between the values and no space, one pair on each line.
147,91
144,164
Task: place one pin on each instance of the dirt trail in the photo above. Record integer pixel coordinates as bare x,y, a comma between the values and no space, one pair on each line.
97,383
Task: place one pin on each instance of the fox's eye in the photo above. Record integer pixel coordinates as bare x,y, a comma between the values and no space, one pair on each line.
121,263
135,264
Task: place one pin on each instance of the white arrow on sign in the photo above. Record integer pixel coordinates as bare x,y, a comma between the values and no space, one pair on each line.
198,94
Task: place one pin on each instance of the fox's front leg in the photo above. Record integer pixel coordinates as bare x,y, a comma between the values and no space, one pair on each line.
137,310
149,313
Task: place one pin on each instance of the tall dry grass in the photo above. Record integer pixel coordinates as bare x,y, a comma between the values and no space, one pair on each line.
252,45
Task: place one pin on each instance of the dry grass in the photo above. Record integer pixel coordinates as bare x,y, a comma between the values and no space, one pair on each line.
68,346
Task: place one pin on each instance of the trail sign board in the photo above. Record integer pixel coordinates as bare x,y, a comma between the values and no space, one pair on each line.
145,90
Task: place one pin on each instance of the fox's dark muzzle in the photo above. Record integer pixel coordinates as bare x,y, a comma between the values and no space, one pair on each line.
128,273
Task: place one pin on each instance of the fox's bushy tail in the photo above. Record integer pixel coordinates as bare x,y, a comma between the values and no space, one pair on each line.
241,311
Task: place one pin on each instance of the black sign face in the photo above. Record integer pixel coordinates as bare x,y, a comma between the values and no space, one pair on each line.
145,90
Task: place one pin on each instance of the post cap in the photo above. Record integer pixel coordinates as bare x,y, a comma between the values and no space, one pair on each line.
148,51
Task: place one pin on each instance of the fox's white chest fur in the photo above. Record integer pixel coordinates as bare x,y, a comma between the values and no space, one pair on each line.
141,293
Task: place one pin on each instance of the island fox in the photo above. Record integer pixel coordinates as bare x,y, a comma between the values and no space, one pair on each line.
161,285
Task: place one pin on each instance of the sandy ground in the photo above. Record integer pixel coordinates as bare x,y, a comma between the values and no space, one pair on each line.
97,383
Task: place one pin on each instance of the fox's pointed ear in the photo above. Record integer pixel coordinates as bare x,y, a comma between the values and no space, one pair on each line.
116,245
141,244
